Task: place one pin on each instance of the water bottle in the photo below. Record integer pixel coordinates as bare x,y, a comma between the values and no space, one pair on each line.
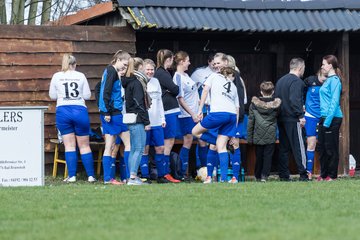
352,165
242,175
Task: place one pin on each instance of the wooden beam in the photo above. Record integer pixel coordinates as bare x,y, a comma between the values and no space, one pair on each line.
68,33
343,55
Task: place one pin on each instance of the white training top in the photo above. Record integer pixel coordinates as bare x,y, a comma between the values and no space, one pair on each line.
223,94
69,88
201,74
188,91
156,110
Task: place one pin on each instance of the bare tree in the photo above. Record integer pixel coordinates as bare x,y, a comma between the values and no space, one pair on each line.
2,12
46,10
32,12
50,10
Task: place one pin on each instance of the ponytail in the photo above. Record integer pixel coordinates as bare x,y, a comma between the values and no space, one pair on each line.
131,68
161,57
67,60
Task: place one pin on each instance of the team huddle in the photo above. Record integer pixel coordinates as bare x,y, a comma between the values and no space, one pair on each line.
142,104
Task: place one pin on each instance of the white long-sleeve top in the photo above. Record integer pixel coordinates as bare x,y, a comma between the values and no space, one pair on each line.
156,110
69,88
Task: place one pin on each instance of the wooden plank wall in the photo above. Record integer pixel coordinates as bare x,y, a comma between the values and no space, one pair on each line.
30,55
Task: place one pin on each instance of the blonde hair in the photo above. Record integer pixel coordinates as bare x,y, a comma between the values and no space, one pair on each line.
148,61
161,57
232,63
67,60
221,55
134,64
180,56
121,55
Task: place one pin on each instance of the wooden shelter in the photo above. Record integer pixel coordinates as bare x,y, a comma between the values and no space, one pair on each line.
261,35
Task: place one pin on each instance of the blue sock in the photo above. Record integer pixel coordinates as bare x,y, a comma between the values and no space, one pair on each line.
236,162
211,162
202,155
159,160
310,160
224,163
71,163
126,160
122,169
113,167
144,166
198,163
209,138
184,158
88,162
107,167
166,164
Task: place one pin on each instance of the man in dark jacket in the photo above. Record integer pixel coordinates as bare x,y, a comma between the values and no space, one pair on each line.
290,89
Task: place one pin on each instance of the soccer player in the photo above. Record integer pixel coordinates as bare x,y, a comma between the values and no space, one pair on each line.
199,76
224,110
188,99
312,116
155,136
171,107
70,89
111,106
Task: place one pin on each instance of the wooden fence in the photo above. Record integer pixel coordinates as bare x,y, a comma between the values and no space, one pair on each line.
30,55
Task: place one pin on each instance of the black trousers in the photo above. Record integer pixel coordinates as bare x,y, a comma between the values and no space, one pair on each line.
291,138
264,155
328,145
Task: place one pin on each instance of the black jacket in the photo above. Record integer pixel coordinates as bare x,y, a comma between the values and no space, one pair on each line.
290,89
241,94
169,89
135,99
261,128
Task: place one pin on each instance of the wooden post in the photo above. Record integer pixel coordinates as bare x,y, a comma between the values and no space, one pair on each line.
343,52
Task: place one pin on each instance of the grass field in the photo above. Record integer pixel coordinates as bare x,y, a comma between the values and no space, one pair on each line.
250,210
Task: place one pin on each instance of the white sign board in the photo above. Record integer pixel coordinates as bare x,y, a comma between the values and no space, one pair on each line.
22,146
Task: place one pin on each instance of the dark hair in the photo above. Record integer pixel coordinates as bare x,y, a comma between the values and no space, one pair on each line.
180,56
210,57
331,59
267,88
161,57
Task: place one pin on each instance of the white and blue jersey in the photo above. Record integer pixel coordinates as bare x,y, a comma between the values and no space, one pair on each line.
188,90
199,76
110,99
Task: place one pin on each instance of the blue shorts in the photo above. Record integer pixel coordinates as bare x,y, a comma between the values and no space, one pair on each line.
171,125
311,125
224,122
115,126
186,125
73,119
155,136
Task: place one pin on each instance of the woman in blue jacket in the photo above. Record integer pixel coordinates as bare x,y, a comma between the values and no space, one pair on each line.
331,118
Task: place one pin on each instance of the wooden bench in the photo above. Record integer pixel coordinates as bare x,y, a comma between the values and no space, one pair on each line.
57,160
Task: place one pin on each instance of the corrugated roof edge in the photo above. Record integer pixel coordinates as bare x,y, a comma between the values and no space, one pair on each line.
248,5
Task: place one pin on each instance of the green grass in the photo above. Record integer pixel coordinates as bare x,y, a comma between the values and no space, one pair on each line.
275,210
